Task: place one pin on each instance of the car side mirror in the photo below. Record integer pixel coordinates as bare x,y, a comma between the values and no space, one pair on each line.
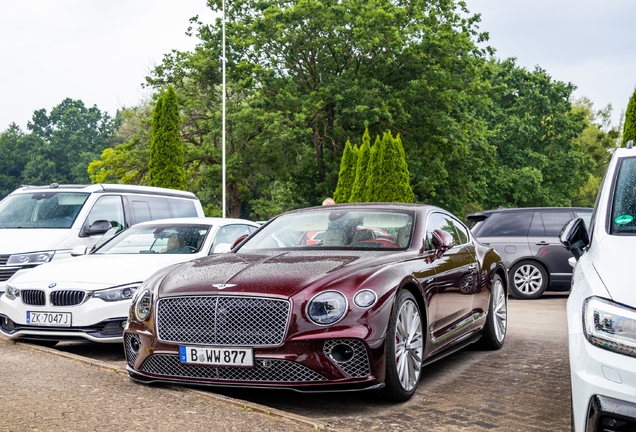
98,227
442,241
79,250
574,237
239,240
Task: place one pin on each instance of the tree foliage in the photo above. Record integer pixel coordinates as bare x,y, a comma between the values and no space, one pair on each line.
359,192
629,129
347,174
388,178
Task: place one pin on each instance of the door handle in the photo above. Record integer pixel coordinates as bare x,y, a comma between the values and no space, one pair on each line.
543,243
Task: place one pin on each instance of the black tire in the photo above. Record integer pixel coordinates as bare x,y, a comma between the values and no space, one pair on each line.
403,367
527,280
494,332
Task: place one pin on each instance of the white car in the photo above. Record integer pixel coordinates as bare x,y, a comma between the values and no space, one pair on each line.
89,296
601,308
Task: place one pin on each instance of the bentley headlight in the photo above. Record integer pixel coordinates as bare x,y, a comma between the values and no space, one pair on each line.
124,292
11,292
143,305
29,259
327,307
610,326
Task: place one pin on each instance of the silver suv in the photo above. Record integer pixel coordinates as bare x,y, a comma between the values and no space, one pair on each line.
527,239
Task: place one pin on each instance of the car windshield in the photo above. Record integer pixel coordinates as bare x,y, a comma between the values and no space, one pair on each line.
41,209
623,220
336,229
155,239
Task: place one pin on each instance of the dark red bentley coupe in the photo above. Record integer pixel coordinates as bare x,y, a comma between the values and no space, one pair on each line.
389,289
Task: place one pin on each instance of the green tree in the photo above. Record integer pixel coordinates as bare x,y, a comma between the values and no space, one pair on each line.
629,129
15,148
388,178
347,174
359,191
165,167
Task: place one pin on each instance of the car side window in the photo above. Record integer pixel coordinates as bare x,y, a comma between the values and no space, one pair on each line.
182,208
554,221
147,208
445,223
227,235
510,224
109,208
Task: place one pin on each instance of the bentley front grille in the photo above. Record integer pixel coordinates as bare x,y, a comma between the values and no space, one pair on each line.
33,297
271,371
223,320
131,341
67,298
350,355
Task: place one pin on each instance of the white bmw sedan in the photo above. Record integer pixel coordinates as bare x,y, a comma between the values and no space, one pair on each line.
89,296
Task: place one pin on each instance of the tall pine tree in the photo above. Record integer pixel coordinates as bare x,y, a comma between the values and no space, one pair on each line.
629,130
165,168
347,174
358,191
388,177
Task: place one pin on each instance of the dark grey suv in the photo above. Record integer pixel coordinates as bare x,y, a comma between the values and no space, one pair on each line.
527,240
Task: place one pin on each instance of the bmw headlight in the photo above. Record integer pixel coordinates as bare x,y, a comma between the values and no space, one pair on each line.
11,292
327,307
610,326
142,305
29,259
124,292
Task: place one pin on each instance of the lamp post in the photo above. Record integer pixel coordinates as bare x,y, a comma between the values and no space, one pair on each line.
223,117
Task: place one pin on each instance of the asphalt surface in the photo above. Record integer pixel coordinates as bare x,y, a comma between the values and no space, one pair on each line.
525,386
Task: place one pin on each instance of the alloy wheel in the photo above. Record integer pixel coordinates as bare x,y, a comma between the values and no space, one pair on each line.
500,310
528,279
409,345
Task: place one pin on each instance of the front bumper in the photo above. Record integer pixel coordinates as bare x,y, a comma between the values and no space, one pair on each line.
301,365
94,320
603,387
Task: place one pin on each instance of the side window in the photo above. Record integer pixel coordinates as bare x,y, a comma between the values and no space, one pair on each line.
148,208
182,208
442,222
108,208
554,221
226,236
536,227
462,232
511,224
141,211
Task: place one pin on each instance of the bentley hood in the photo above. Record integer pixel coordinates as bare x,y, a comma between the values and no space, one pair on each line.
272,273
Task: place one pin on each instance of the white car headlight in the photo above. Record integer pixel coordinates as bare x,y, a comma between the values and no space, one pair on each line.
142,305
327,307
29,259
11,292
610,326
124,292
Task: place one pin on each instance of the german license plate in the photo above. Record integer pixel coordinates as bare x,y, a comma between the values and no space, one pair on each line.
49,319
216,356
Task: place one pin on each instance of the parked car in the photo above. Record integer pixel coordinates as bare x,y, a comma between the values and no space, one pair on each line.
527,239
43,223
601,308
88,296
352,312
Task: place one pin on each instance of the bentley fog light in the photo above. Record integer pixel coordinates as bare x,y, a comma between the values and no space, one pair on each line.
142,305
30,259
610,326
124,292
364,298
327,307
11,292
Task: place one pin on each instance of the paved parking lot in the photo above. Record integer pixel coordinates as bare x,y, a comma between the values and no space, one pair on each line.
523,387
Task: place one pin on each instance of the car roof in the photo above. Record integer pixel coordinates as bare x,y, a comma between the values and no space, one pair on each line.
103,187
198,220
370,206
485,213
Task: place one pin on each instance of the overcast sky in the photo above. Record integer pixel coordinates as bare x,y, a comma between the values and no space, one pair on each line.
99,51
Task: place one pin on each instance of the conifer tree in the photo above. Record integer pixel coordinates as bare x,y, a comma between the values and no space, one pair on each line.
388,177
358,191
347,175
166,165
629,130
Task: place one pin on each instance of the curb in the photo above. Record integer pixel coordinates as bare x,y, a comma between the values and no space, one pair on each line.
239,403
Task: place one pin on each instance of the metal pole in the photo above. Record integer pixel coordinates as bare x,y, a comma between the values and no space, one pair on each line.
223,115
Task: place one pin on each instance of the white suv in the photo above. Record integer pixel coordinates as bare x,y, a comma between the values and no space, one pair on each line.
43,223
601,308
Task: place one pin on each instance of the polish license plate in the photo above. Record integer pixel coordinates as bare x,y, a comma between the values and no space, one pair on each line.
49,319
216,356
